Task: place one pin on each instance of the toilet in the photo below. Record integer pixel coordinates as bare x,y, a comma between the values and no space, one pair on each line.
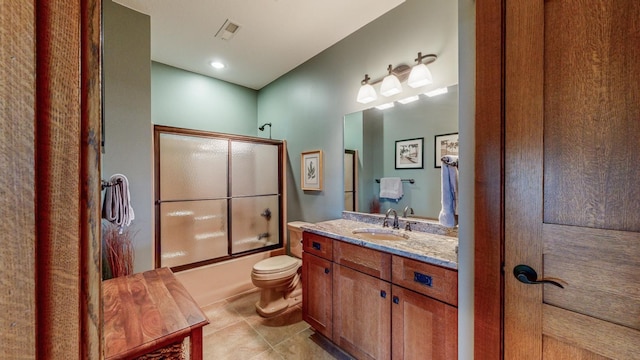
279,277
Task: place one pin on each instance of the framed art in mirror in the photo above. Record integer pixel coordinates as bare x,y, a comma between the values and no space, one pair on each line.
409,153
445,144
311,170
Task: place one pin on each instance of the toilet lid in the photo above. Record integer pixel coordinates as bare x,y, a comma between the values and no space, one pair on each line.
276,264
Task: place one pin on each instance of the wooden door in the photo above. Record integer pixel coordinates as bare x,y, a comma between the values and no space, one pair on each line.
362,314
572,178
317,309
423,328
50,186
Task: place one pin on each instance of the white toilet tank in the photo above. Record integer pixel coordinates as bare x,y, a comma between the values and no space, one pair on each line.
295,238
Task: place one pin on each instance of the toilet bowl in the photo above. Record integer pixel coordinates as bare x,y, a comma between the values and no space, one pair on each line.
279,277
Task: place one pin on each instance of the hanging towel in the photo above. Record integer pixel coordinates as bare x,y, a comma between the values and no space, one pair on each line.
447,216
391,188
116,207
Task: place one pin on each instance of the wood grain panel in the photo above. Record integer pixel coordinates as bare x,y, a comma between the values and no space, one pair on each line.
444,286
317,293
90,216
601,281
523,175
555,349
592,107
58,123
317,245
488,204
145,311
423,328
361,314
600,337
17,113
368,261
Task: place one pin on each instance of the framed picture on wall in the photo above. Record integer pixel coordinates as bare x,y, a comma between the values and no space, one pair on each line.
311,170
409,153
445,144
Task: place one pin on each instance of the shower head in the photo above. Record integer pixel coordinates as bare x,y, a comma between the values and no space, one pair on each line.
261,128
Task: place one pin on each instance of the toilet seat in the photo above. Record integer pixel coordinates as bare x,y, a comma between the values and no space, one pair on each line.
276,264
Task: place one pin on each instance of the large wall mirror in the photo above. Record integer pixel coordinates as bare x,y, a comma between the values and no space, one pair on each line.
373,134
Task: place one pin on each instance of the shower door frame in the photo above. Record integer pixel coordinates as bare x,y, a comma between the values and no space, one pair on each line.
281,144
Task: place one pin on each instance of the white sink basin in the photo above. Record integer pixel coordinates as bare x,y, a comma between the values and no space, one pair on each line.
380,234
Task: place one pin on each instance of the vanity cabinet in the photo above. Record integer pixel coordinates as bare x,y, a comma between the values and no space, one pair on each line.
380,306
361,300
317,283
424,310
423,328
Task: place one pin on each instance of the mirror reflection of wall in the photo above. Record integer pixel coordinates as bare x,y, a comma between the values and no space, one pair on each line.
350,178
374,132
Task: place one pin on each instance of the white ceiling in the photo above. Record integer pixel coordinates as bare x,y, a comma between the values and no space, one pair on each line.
275,35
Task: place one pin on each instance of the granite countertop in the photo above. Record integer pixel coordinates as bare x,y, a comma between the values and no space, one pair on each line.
422,246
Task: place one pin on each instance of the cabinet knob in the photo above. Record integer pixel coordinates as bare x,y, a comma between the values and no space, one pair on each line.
326,270
396,300
316,245
383,294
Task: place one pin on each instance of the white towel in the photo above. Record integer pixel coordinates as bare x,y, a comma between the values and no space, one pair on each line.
116,207
391,188
447,216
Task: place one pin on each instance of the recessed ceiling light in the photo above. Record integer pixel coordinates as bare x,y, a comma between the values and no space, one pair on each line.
217,65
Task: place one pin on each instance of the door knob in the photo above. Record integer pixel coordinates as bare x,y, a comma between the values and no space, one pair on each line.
525,274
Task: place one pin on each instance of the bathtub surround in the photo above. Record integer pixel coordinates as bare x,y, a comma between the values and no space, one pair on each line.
417,224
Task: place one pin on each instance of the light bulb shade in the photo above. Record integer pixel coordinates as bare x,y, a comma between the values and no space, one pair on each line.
390,86
366,94
420,76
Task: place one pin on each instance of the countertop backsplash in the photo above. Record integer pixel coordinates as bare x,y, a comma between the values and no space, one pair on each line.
417,224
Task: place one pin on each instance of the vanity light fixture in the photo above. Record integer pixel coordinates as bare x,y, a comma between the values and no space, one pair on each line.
390,84
416,76
437,92
409,99
385,106
420,74
367,93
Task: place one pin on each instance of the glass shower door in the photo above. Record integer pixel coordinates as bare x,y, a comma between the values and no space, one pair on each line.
193,199
255,203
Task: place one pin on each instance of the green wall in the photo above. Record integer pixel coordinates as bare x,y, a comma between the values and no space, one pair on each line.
424,118
139,93
188,100
128,136
308,104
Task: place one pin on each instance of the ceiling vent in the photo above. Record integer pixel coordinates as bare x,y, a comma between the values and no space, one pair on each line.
227,30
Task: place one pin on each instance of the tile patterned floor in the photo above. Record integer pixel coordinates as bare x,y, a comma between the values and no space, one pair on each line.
236,331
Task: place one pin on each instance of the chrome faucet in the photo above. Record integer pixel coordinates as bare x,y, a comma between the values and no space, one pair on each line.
395,219
407,208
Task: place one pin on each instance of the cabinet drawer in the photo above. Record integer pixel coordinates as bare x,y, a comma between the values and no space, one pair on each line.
434,281
368,261
317,245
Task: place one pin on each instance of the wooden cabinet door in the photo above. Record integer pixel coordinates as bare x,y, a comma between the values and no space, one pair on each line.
362,318
423,328
571,193
317,297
